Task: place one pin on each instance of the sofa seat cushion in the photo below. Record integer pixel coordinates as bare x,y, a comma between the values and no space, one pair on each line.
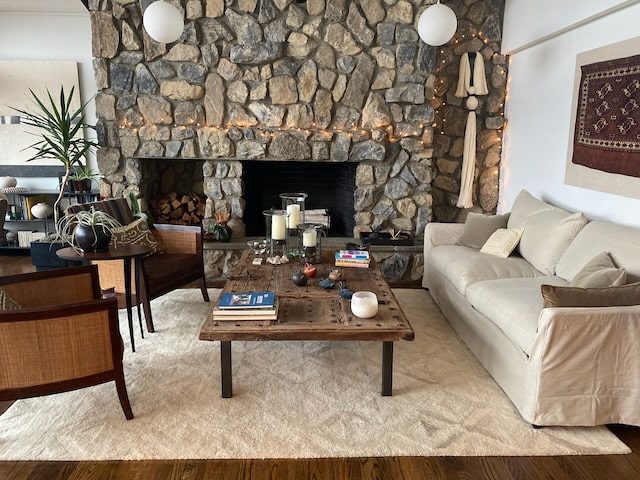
164,271
513,305
464,266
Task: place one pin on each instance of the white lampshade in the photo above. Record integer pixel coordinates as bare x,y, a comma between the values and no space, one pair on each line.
437,25
163,22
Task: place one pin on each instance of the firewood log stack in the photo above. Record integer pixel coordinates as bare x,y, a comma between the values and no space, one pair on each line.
178,209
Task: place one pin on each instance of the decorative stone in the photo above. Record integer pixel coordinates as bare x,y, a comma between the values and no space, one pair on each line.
194,9
192,72
447,166
276,31
339,88
409,92
132,117
401,12
407,207
259,92
325,57
386,33
267,11
283,90
445,183
250,149
358,25
101,73
287,147
213,188
494,123
247,30
405,55
268,115
322,107
384,57
299,116
214,99
151,149
487,139
326,78
345,117
121,78
367,150
185,113
161,70
128,143
364,198
215,8
396,188
108,160
182,133
493,156
232,187
295,16
153,132
335,10
312,28
247,5
172,149
214,31
152,49
384,79
399,163
237,91
105,37
183,52
299,45
239,116
154,109
373,10
105,106
255,54
376,112
340,148
319,151
360,82
339,38
315,7
130,39
214,143
144,82
364,175
395,267
180,90
421,171
406,35
188,149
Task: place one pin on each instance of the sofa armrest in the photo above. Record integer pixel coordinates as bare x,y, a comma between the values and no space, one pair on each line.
438,234
590,357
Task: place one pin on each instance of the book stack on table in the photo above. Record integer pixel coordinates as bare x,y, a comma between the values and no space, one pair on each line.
352,258
238,306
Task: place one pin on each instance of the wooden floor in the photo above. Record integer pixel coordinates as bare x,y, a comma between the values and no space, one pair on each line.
603,467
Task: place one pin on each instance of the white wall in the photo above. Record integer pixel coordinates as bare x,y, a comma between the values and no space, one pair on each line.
538,109
44,35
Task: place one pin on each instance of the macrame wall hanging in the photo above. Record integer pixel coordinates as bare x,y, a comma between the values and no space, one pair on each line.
467,88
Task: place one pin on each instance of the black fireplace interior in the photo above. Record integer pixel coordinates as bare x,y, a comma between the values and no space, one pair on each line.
328,185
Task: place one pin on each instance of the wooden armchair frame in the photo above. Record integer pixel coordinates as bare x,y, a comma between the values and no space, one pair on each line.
52,345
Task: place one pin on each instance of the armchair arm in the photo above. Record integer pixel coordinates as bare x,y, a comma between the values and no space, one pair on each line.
179,238
590,359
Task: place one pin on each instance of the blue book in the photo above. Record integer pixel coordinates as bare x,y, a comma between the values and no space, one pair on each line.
246,300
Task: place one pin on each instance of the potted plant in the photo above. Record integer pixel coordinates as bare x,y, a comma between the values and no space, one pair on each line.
82,177
90,230
60,128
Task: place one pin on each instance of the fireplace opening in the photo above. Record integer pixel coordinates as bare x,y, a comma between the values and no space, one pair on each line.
329,186
174,190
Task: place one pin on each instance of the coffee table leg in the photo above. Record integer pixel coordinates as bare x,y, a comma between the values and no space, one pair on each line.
225,367
387,369
127,294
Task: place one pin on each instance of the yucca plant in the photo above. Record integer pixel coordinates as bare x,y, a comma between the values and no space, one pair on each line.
61,135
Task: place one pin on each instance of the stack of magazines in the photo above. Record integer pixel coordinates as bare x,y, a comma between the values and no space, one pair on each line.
237,306
352,258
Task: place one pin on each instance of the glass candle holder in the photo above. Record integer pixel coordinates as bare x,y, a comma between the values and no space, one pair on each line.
293,204
310,236
277,232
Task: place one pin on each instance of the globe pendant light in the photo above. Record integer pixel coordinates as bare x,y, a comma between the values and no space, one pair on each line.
437,25
163,22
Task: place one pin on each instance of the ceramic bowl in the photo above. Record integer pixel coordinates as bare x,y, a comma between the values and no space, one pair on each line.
364,304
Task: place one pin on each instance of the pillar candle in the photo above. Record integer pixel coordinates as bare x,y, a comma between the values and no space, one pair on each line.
278,225
293,210
309,238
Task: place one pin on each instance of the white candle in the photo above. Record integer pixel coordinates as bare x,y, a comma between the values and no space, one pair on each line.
309,238
278,225
293,209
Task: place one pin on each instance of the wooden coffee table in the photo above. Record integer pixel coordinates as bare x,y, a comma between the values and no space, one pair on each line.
310,313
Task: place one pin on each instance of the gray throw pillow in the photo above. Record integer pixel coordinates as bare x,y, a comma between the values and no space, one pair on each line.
600,272
623,296
479,227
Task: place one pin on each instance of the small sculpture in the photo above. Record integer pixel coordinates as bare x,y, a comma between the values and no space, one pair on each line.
335,275
327,284
278,260
310,271
299,278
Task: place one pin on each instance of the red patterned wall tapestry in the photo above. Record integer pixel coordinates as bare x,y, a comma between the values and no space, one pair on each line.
607,127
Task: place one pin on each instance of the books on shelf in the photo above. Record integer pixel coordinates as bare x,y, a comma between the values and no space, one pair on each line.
352,258
239,306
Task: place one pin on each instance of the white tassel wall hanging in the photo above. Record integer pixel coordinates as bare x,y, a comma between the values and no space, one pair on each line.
464,76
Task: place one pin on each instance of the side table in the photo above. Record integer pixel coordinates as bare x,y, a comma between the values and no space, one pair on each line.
121,252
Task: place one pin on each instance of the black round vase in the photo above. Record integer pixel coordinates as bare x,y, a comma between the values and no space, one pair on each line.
89,241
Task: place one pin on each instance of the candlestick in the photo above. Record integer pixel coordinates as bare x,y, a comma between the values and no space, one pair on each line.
293,209
278,226
309,238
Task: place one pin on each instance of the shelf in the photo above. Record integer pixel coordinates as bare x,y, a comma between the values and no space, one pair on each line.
34,220
14,250
53,192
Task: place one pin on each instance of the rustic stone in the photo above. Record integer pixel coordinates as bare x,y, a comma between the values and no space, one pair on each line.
268,115
407,207
192,72
287,147
307,81
185,113
277,31
319,151
299,116
384,57
250,149
346,64
239,116
214,8
364,198
396,188
283,90
214,31
421,171
237,91
340,148
255,54
494,123
105,106
339,88
395,267
152,49
405,55
128,143
232,186
295,17
101,73
384,79
409,92
359,83
322,107
401,12
376,113
487,139
155,110
247,30
154,132
144,82
445,183
183,52
130,39
214,143
315,7
339,38
447,166
121,78
367,150
151,149
105,38
180,90
358,25
267,11
373,11
335,10
194,9
493,156
108,160
247,5
228,70
364,175
214,99
161,69
188,148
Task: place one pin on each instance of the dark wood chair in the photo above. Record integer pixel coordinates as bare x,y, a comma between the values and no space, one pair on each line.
64,337
180,263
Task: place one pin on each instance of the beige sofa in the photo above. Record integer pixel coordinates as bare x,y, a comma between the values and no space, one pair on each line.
559,366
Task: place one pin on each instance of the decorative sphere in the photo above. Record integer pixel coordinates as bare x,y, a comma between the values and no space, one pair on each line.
8,182
163,22
437,25
41,210
472,89
472,103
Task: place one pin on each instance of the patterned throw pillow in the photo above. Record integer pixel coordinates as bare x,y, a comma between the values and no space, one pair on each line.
136,233
8,303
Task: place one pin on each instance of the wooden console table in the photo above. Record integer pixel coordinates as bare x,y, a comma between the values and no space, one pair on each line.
310,313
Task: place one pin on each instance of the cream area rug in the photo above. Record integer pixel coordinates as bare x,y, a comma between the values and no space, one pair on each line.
291,400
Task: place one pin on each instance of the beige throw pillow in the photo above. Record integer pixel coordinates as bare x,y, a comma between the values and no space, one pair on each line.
136,233
502,242
623,296
7,303
479,227
600,271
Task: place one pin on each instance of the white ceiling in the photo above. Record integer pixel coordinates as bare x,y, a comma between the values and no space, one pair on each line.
67,7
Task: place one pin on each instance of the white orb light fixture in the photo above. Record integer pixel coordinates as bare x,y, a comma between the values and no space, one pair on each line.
437,25
163,22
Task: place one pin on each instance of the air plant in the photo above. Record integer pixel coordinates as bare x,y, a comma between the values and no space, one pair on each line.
67,226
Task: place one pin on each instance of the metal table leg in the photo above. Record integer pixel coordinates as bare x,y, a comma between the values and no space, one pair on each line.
387,369
225,368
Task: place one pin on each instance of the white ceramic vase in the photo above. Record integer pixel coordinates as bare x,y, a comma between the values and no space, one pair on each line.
7,182
41,210
364,304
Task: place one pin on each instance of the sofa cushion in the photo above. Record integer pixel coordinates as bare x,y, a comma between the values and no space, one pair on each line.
464,266
513,305
524,206
479,227
547,235
622,296
600,271
622,243
502,242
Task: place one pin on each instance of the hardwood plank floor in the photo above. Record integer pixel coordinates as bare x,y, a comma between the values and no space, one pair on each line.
597,467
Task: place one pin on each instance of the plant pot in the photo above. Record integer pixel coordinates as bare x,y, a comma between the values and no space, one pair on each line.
94,239
221,232
81,185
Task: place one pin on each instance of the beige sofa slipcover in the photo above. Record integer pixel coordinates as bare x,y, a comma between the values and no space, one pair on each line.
559,366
